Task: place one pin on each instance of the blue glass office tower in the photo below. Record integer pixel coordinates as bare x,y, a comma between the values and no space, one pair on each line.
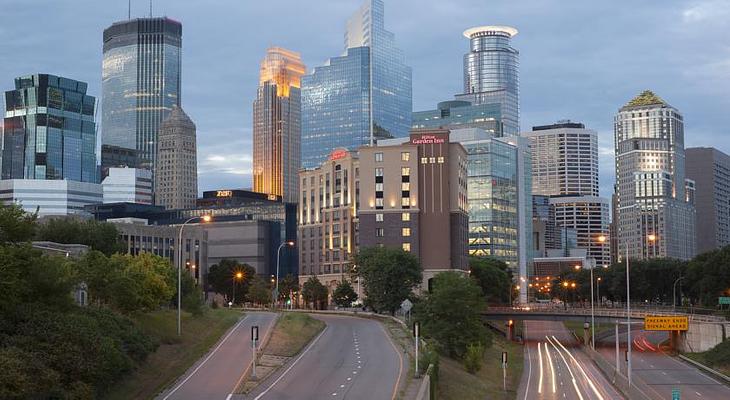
49,130
140,84
360,97
491,72
459,114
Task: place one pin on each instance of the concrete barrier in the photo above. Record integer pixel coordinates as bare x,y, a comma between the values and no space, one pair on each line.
702,336
424,391
716,374
619,380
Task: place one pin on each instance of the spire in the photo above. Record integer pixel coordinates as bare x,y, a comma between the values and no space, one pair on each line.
177,117
646,98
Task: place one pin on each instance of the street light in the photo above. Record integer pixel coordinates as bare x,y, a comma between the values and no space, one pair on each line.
237,276
278,256
674,293
204,218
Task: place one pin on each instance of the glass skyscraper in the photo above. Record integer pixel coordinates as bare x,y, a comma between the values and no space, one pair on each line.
140,83
491,72
277,125
49,130
459,114
360,97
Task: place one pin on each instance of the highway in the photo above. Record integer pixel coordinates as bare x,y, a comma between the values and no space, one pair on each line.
353,358
555,369
216,374
658,372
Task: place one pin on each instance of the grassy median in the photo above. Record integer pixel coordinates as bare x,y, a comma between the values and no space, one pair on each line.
455,383
292,332
577,328
175,354
717,358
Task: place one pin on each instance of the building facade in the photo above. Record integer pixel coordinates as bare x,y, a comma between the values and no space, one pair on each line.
588,217
176,176
49,130
709,168
491,72
127,185
360,97
328,207
140,83
410,190
51,196
656,218
460,114
277,124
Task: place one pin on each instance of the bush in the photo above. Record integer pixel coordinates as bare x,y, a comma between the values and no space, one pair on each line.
473,357
429,356
720,354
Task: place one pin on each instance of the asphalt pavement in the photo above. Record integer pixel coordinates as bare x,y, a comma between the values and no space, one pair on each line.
353,358
556,369
660,373
216,374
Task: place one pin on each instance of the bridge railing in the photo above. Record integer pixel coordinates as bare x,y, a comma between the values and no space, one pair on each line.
636,312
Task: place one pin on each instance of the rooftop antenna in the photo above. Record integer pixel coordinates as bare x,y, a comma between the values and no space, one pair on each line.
150,8
129,9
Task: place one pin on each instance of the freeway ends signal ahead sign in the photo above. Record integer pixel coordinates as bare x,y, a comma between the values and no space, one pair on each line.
666,323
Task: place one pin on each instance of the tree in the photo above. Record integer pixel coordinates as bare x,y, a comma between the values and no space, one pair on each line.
16,226
287,285
493,276
344,295
101,236
315,293
389,276
145,282
221,278
259,291
451,314
708,277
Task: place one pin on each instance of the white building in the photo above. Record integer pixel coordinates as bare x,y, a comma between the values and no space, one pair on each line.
588,216
50,197
128,185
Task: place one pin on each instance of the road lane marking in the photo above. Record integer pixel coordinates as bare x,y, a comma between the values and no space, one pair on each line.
293,364
529,373
550,361
267,331
590,381
572,377
539,352
698,394
206,358
400,360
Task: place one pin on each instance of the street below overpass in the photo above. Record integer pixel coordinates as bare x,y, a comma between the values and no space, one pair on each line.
556,369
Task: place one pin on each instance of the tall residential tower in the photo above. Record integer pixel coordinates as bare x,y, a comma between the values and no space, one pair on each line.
277,125
359,97
710,169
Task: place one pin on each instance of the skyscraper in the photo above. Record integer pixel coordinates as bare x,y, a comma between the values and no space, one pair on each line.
709,168
49,130
277,125
491,72
140,83
459,114
565,167
176,176
360,97
656,217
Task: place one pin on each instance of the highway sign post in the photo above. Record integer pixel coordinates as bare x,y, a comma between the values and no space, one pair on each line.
723,301
406,306
504,370
417,335
254,339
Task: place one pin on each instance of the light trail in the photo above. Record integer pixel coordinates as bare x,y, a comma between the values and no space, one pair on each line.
539,383
590,381
550,362
572,377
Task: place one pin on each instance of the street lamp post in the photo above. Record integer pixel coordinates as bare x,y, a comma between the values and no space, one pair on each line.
278,257
204,218
236,277
674,293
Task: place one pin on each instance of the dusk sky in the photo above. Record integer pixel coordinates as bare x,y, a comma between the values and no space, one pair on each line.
579,60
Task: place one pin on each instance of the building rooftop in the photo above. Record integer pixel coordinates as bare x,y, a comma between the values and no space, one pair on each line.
490,30
646,98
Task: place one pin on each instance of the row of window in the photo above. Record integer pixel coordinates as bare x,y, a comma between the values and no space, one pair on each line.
404,156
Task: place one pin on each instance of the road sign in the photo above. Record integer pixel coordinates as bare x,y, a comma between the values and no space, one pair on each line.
416,329
666,323
255,333
675,394
723,300
406,305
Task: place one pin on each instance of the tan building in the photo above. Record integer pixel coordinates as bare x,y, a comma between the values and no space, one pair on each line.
176,173
328,205
413,195
277,124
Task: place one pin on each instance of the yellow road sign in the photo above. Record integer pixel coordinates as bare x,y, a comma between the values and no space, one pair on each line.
666,323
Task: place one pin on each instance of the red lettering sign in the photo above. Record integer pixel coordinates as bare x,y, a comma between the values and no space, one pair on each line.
338,154
428,139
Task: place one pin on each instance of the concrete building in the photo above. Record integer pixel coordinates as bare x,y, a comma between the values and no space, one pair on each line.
588,217
655,216
709,168
176,176
277,125
328,207
127,185
50,197
413,196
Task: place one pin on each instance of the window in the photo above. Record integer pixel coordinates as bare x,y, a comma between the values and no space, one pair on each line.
405,156
378,157
378,217
405,171
406,232
432,160
424,160
378,187
405,217
379,203
378,172
379,232
405,186
441,160
405,202
407,247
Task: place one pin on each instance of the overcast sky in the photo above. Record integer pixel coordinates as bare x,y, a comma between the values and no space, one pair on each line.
579,59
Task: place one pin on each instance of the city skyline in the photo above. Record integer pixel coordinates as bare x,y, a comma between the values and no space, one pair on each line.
598,84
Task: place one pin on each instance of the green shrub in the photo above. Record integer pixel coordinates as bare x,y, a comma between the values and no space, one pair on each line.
720,354
473,357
